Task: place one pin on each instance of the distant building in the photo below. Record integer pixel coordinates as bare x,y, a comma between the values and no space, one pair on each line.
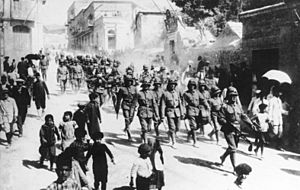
20,31
271,37
103,25
55,37
111,25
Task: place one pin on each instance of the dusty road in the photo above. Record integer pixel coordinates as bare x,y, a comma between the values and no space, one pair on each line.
186,167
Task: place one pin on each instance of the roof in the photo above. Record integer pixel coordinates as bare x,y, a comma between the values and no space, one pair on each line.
230,38
192,37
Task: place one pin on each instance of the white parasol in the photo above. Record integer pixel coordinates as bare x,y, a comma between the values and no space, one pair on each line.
279,76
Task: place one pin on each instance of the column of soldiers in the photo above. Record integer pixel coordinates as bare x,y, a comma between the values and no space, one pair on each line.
159,101
197,106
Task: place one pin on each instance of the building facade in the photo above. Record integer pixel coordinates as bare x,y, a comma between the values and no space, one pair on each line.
20,33
271,40
271,37
103,25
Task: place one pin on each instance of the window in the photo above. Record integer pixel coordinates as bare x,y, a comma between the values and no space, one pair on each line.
112,42
21,29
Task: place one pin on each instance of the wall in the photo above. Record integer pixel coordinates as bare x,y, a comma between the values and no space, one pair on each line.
150,30
277,28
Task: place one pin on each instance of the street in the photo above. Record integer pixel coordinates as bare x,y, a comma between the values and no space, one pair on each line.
185,167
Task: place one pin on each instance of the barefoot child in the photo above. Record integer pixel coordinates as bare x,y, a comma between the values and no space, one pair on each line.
99,151
67,129
261,119
47,139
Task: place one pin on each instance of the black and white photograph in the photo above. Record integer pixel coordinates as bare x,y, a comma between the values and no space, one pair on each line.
149,94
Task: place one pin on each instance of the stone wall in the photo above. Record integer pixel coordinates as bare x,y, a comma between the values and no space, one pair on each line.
277,28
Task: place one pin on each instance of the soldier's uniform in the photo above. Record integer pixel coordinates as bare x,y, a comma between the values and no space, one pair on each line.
147,109
157,94
230,116
171,107
215,103
145,74
193,99
126,98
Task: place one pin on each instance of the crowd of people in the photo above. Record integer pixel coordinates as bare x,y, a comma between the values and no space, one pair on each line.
159,97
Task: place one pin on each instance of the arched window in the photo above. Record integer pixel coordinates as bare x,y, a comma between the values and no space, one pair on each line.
21,29
111,38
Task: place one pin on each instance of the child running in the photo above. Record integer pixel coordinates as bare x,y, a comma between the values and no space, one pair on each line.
100,168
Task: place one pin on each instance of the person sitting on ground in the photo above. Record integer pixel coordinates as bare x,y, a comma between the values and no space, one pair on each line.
100,168
141,170
67,129
47,139
242,171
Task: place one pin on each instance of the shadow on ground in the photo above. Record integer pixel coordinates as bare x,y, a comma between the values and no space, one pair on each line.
203,163
123,188
292,172
290,156
113,138
32,116
3,142
33,164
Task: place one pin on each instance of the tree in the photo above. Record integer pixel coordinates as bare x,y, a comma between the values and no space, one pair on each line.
213,13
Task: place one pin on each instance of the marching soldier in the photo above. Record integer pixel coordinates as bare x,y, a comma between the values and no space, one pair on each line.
215,103
77,75
204,111
62,76
145,74
171,107
147,110
126,98
157,93
193,99
230,116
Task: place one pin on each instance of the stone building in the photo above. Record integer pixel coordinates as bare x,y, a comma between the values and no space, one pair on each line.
20,33
271,40
271,37
102,25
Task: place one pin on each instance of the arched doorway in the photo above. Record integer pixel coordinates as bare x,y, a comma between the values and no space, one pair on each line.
111,39
21,40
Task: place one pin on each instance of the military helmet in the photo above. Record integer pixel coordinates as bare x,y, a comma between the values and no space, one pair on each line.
157,81
192,82
172,81
215,90
145,67
128,78
146,82
232,91
202,83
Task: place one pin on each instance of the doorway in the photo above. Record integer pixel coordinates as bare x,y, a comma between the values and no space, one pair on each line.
263,61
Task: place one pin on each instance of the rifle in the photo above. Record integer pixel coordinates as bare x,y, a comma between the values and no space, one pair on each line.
244,137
